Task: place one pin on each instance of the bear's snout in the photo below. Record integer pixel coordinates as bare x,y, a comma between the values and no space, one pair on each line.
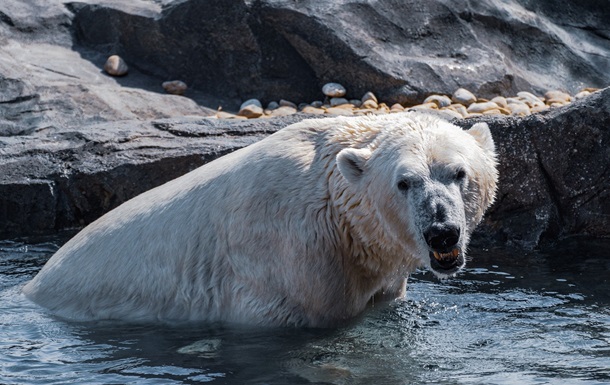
442,237
446,256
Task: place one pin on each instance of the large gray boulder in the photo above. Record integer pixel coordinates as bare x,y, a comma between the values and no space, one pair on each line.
554,174
401,50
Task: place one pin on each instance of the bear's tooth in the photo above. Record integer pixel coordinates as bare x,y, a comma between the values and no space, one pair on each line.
436,255
455,252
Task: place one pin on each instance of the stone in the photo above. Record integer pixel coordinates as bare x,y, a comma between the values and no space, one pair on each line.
369,96
425,106
355,102
313,110
283,111
228,115
482,107
334,102
582,94
556,96
251,102
440,100
402,60
463,96
339,111
519,109
287,103
175,87
452,113
317,104
370,104
396,107
530,99
116,66
251,111
333,90
500,101
272,105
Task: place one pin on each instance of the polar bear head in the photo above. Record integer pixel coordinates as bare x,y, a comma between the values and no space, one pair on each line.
427,184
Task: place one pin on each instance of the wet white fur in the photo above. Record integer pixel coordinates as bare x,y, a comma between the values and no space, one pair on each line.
272,234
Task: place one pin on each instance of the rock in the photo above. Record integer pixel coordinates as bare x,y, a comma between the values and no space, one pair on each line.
251,108
552,182
316,104
482,107
339,111
463,96
530,99
313,110
116,66
459,108
500,101
283,111
333,90
287,103
555,96
272,105
582,94
369,96
334,102
519,109
425,106
370,103
228,115
440,100
355,102
175,87
251,102
364,45
397,108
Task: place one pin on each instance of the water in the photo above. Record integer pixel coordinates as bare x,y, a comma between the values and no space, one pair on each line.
510,318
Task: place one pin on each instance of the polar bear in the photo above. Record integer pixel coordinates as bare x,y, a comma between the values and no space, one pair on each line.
303,228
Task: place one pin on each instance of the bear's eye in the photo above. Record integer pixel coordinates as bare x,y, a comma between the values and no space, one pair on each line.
403,185
460,175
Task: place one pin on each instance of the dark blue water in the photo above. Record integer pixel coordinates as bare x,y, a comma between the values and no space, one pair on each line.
541,318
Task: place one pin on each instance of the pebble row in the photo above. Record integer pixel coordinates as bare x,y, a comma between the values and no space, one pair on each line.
462,104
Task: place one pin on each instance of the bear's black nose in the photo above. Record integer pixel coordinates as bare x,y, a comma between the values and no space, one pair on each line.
442,237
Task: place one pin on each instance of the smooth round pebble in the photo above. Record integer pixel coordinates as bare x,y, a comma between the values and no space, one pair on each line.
556,96
316,104
272,105
397,107
440,100
116,66
369,96
251,102
500,101
251,111
287,103
463,96
370,103
582,94
313,110
482,107
333,90
339,111
520,109
334,102
283,111
174,87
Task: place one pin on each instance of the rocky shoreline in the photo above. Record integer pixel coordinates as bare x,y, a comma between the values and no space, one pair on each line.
76,142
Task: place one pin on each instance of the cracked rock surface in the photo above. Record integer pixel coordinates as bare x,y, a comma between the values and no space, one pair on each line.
75,142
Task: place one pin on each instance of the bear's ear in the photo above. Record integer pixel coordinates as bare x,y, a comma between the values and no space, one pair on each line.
351,161
482,134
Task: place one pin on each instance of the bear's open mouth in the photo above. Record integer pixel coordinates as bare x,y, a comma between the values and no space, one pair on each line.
446,262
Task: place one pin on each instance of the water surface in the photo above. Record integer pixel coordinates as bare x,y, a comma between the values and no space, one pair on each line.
540,318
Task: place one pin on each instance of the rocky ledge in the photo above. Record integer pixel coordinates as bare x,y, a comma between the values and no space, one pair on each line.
554,169
76,142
